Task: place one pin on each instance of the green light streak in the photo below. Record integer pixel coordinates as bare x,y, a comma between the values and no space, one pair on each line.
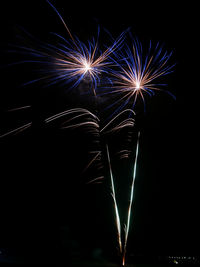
131,199
118,224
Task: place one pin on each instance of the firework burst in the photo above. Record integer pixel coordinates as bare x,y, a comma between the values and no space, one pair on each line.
69,60
138,74
80,62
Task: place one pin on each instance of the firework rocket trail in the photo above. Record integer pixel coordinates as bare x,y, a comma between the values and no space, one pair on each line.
122,247
131,201
118,224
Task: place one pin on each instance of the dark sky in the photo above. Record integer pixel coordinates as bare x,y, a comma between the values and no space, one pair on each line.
45,199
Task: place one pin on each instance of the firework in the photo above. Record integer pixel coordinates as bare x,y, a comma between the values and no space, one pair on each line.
70,61
138,74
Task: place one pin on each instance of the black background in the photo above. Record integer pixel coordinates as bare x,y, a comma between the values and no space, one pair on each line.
47,208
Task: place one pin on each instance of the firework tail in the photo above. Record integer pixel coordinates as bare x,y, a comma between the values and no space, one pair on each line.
131,202
118,224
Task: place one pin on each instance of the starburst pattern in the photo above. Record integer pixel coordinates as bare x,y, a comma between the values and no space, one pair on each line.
138,74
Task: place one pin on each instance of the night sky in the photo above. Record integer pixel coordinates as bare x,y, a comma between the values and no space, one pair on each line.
47,208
